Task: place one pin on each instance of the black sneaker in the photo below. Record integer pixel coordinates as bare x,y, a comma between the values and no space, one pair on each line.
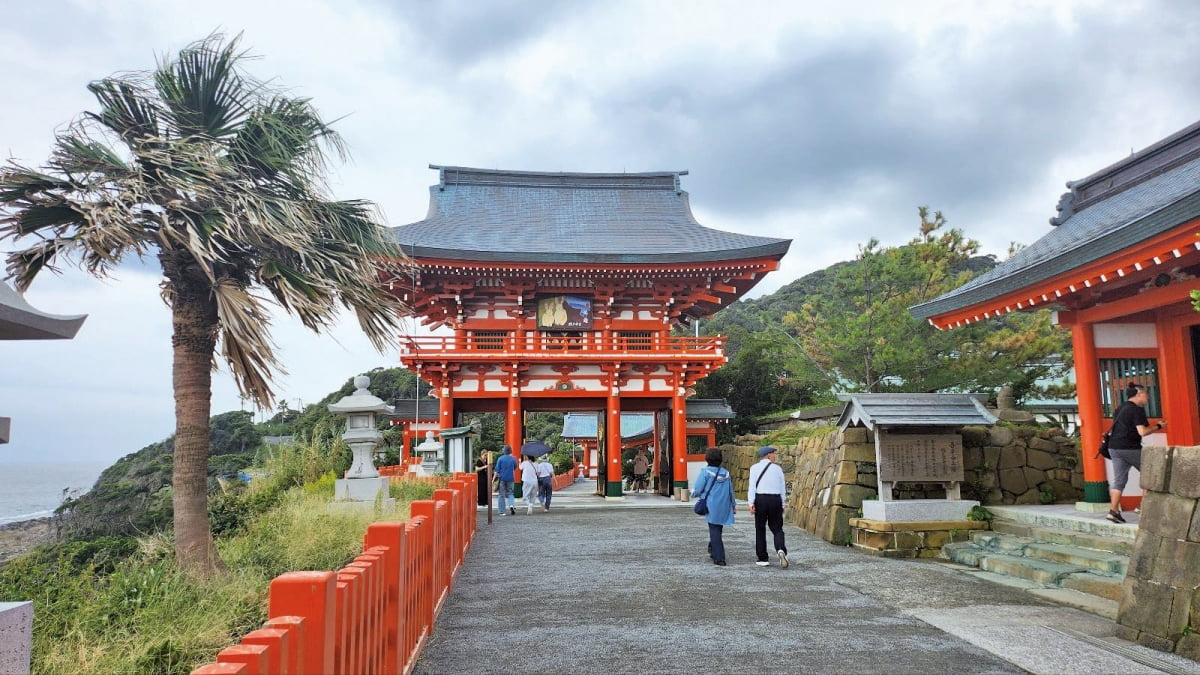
1115,516
512,511
719,563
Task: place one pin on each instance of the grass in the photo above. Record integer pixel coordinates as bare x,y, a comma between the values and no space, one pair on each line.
792,435
122,605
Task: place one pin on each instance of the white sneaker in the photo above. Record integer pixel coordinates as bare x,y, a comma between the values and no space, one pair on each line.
783,561
762,563
529,509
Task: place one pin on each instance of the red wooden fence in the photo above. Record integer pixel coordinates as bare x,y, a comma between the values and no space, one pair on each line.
374,614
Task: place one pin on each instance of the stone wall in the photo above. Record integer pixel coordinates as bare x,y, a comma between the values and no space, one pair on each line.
1019,464
830,473
1160,599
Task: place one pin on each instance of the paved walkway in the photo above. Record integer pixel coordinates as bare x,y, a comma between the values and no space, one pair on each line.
626,587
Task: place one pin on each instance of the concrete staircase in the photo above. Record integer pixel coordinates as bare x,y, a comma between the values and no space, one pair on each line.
1054,552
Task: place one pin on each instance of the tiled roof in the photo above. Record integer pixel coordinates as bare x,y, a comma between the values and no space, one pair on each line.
408,409
21,321
517,216
935,410
1122,205
708,409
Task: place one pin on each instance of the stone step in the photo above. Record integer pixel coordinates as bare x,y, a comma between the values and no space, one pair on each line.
962,552
1085,601
1056,518
1120,545
1041,571
1001,542
1099,561
1100,585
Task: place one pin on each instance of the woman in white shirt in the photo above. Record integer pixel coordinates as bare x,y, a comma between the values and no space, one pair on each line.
529,484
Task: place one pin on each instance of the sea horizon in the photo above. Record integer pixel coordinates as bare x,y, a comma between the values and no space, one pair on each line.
31,490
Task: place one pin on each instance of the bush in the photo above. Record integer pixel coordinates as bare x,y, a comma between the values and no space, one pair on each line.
410,491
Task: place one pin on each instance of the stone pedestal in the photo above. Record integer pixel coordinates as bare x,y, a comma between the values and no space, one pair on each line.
899,539
916,510
16,636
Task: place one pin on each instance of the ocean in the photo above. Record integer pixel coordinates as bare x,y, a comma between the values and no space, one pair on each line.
30,491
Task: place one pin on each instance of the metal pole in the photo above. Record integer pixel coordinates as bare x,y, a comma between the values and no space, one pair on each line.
488,492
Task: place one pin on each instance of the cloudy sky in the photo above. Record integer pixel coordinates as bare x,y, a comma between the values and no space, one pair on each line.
794,119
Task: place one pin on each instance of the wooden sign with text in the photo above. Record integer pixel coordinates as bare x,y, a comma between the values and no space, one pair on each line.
921,458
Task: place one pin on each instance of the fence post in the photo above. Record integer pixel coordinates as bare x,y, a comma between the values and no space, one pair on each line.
391,536
452,529
276,642
295,627
310,595
254,657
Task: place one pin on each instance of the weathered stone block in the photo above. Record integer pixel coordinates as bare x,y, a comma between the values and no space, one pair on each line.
1179,614
851,495
1189,646
1027,498
937,539
1183,565
972,457
854,435
1013,480
1162,644
1034,477
1024,433
1012,455
908,540
1184,472
847,472
1000,436
839,524
1040,459
1167,515
1145,606
1042,444
1145,552
991,456
1127,633
1156,469
974,437
859,452
879,541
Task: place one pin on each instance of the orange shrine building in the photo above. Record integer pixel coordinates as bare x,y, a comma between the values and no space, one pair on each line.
1118,268
559,292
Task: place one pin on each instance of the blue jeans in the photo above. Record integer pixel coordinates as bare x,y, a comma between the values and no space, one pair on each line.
545,491
505,493
716,545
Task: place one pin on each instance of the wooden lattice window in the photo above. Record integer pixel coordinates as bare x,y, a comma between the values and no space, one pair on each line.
1116,374
489,339
637,340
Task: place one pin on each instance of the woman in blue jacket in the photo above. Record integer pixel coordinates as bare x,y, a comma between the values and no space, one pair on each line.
715,485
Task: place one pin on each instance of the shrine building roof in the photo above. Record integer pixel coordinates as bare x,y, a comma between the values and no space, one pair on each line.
909,410
525,216
1144,195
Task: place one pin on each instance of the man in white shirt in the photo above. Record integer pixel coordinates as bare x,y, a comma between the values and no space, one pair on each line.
766,496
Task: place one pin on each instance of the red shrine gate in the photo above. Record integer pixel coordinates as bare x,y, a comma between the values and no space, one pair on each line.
561,290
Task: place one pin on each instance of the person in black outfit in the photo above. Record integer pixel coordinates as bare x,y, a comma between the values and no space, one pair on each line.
481,470
1125,443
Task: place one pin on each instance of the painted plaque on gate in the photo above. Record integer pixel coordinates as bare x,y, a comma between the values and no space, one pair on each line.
921,458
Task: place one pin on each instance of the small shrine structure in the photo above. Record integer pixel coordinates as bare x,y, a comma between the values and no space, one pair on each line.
560,291
917,440
1118,267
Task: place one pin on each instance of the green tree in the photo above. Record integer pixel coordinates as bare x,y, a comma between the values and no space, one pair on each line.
221,178
858,332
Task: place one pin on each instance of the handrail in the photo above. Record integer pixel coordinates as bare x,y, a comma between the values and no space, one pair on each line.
373,615
552,344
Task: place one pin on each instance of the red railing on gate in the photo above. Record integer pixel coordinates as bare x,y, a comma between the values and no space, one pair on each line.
374,614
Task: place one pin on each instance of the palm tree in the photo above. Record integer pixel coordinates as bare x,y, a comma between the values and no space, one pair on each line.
221,177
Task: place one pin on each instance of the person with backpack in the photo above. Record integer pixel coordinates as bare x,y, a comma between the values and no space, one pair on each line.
1125,443
766,495
545,478
715,486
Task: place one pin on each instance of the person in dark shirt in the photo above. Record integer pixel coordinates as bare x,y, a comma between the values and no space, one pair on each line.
1125,443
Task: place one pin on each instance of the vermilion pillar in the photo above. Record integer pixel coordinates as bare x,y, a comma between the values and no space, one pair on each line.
445,409
679,439
513,424
612,448
1091,415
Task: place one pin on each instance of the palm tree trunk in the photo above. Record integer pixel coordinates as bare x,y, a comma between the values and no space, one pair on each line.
193,341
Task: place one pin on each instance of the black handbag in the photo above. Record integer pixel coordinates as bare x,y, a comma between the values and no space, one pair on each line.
701,507
1104,445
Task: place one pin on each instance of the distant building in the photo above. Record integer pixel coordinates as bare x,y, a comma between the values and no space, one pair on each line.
1118,268
20,321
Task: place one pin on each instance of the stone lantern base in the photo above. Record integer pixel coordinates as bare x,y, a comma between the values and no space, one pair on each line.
362,491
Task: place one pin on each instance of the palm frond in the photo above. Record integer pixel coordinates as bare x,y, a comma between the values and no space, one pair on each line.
203,91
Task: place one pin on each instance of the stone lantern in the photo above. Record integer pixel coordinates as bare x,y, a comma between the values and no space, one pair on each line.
431,455
362,482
